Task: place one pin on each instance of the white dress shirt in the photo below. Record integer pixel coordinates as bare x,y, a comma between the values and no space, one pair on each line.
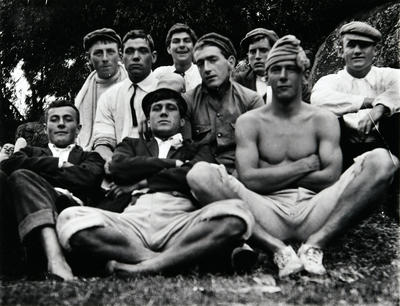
344,94
61,153
114,118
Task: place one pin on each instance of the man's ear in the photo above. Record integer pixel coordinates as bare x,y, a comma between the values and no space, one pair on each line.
339,49
154,56
45,128
169,50
232,61
78,129
182,122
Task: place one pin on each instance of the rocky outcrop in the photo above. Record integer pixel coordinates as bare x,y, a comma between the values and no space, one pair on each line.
385,18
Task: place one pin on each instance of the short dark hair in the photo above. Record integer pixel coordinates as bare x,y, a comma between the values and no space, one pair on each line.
61,103
179,28
138,33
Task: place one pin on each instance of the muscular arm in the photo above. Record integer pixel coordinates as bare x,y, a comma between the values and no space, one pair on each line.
271,178
329,153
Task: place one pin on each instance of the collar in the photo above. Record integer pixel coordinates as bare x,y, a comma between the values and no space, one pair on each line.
147,84
176,140
261,78
369,78
53,147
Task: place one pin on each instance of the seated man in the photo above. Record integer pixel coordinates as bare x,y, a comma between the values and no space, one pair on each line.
362,95
42,181
289,161
163,229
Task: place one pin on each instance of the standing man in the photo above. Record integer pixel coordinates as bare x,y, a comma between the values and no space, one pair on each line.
120,108
43,181
289,161
216,103
361,95
163,230
180,41
103,50
257,44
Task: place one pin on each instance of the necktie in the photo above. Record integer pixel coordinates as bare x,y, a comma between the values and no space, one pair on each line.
132,102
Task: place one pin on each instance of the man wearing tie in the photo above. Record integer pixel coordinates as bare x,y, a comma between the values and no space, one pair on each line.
120,108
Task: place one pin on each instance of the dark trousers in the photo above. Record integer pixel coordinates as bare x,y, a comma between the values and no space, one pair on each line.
11,251
35,200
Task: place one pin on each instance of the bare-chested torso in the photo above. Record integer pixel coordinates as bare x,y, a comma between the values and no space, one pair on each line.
283,139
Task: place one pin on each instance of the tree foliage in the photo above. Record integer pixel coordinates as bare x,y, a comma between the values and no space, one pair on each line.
47,34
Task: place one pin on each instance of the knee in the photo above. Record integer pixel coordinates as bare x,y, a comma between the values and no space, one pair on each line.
381,164
199,175
20,175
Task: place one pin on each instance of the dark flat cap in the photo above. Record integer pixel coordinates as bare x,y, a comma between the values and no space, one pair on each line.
163,94
178,28
100,34
219,41
271,35
358,30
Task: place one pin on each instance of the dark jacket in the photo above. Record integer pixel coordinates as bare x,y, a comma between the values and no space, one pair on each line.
83,179
137,159
246,78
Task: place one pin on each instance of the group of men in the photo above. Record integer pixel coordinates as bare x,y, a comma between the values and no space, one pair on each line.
152,172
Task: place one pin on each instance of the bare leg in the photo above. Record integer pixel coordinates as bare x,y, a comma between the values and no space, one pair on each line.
109,243
209,184
56,263
204,238
376,173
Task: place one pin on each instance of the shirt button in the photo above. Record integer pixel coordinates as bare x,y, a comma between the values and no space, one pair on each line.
219,135
218,115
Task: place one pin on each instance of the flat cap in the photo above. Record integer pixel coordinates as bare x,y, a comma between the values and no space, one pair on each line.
358,30
177,28
271,35
217,40
163,94
100,34
287,48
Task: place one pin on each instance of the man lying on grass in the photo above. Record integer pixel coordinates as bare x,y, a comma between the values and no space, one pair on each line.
163,229
289,160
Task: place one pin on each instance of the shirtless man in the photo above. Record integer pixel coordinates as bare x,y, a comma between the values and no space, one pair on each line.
289,160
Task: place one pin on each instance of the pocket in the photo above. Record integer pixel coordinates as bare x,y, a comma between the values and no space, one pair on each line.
200,131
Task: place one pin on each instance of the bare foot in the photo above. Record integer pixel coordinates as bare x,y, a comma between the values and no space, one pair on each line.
61,269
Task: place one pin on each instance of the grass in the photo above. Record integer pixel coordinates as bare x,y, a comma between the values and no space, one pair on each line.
363,268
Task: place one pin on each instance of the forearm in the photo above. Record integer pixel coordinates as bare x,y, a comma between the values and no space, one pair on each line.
318,180
267,180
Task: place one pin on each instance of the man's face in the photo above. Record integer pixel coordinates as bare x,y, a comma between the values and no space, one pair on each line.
181,48
138,59
62,126
358,56
285,79
104,57
214,68
257,55
165,119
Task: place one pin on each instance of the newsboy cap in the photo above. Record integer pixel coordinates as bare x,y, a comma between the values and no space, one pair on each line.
163,94
246,41
358,30
217,40
100,34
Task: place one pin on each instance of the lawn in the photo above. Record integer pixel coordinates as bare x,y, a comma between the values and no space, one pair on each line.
363,268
